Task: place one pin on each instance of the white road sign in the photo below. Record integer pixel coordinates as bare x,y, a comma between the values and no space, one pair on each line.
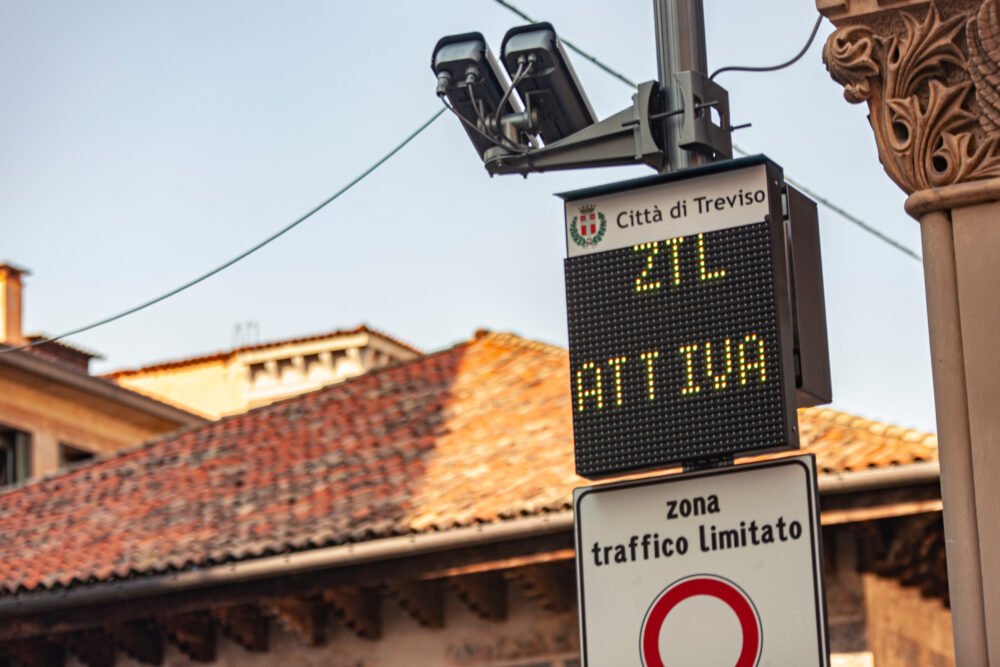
720,568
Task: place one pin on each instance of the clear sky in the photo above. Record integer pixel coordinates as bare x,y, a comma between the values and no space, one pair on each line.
142,143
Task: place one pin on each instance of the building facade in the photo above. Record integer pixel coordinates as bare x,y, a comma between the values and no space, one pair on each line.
248,377
53,413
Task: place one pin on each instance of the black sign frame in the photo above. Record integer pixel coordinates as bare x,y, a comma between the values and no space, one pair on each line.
624,448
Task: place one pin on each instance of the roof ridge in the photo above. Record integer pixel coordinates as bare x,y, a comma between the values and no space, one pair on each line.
515,340
395,339
859,423
227,354
41,339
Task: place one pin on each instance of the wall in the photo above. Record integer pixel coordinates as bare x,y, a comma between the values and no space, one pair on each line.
209,388
53,413
904,628
531,637
845,602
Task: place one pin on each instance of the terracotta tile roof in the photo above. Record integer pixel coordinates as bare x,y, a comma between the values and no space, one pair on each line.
477,433
72,347
846,443
228,354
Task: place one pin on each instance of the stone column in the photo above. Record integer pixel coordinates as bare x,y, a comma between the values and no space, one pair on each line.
930,74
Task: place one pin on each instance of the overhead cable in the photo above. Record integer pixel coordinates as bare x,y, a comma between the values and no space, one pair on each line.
618,75
246,253
773,68
856,220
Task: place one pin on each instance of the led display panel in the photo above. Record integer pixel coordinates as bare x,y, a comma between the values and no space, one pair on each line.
680,333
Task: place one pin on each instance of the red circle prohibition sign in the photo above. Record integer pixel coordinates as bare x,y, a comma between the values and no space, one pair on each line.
721,589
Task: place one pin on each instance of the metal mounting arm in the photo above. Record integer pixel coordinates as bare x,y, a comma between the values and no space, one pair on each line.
622,139
698,133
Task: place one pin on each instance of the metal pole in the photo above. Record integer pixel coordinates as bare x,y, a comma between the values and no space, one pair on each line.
680,46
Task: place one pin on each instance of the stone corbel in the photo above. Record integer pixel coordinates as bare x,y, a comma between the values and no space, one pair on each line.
930,73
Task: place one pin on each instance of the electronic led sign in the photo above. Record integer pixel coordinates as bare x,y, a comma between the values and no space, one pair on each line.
680,335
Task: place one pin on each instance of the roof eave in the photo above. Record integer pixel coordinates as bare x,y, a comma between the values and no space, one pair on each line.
35,602
99,387
880,478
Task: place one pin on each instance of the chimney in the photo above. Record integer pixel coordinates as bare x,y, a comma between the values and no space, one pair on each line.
11,289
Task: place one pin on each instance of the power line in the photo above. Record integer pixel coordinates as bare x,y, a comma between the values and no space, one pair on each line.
284,230
773,68
850,217
856,220
809,191
246,253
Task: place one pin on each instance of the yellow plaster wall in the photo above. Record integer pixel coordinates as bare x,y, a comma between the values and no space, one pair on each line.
54,413
218,387
207,389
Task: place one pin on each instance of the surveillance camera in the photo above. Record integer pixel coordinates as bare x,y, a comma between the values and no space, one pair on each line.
542,74
469,77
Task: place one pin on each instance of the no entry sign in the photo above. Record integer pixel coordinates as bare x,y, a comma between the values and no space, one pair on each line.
736,601
715,569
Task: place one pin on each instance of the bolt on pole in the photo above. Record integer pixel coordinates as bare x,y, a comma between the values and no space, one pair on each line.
680,46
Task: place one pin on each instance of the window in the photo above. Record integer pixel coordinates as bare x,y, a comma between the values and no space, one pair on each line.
69,455
15,456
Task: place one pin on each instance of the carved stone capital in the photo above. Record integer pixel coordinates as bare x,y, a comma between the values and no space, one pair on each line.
930,73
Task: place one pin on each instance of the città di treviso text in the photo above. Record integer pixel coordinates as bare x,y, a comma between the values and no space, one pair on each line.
710,537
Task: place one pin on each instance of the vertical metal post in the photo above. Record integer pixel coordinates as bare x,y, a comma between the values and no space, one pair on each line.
680,46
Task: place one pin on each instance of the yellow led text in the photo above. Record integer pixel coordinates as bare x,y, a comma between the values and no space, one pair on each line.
647,281
675,256
616,363
648,357
752,358
704,273
641,285
687,351
706,367
595,389
719,380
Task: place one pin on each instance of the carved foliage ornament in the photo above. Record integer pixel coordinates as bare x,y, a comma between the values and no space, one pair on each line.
934,125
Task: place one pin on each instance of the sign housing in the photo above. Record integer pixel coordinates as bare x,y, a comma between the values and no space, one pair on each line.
680,327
